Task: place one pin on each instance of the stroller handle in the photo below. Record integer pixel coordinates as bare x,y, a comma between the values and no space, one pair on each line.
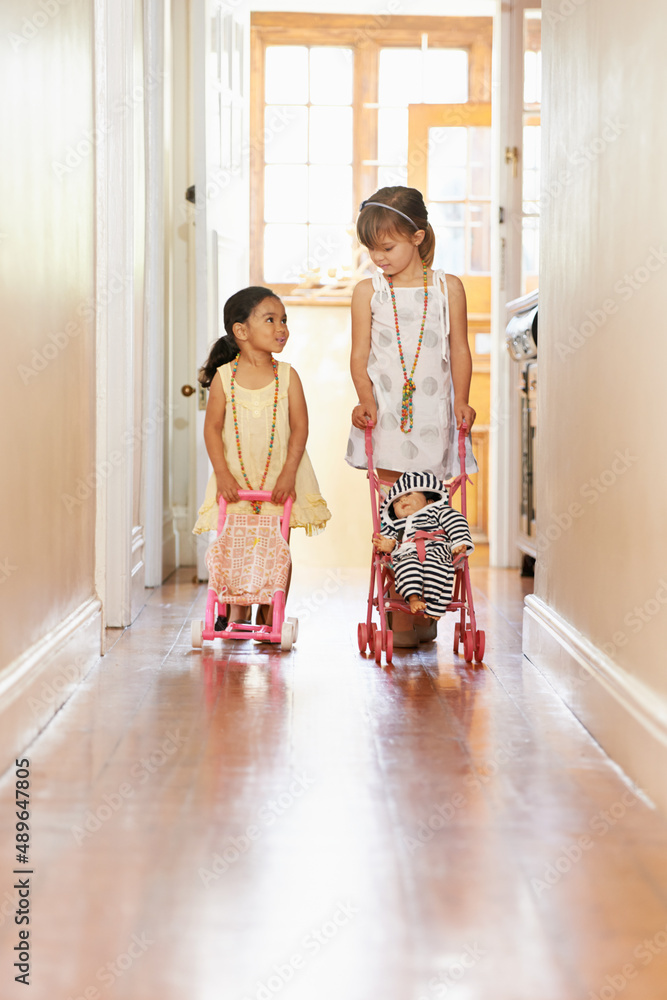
463,430
261,495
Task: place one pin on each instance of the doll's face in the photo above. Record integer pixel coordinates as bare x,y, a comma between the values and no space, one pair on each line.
409,503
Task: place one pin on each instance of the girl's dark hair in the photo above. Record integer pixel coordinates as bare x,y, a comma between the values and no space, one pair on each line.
374,223
237,310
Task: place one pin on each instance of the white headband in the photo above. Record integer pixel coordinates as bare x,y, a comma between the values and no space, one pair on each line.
381,204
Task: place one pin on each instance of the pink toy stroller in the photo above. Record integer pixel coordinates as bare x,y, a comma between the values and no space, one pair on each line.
380,640
248,564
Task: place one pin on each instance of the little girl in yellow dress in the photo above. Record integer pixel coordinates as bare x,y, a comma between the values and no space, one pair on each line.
256,423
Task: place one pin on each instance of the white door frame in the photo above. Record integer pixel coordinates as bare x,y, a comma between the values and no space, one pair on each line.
156,411
221,195
506,264
114,22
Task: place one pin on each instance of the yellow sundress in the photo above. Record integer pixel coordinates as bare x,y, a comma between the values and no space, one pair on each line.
254,408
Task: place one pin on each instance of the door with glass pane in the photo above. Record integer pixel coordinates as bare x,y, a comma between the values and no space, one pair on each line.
449,160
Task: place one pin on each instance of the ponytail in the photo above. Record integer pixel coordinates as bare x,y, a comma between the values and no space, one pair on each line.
223,351
427,246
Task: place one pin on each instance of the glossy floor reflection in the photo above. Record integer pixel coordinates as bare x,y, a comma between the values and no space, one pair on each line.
241,824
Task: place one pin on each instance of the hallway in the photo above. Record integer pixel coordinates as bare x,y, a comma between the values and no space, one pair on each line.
311,826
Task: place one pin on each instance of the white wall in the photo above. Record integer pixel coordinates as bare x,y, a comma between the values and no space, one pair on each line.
72,248
598,621
47,379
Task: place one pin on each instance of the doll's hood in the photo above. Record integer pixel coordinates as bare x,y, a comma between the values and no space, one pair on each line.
414,482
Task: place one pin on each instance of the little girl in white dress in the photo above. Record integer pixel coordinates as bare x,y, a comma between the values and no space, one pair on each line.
410,362
410,359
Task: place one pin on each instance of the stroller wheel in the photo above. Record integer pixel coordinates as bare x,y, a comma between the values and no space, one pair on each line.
480,643
286,636
389,646
294,622
378,647
468,645
196,629
457,637
362,637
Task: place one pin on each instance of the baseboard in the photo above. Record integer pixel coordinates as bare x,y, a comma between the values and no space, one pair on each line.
627,719
34,687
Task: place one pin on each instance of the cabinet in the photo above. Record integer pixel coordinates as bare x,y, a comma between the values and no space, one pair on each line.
521,339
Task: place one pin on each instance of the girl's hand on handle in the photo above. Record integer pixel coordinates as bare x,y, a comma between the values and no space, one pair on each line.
227,487
362,413
284,488
464,411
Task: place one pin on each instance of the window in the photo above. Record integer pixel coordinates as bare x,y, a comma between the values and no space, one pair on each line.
412,76
330,96
308,119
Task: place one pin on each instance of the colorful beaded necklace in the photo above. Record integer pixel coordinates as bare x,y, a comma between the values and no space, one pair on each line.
408,380
256,504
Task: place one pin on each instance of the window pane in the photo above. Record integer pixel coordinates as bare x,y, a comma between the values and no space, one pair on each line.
391,176
450,249
532,60
530,258
410,76
448,146
286,74
445,76
285,134
393,135
531,166
480,238
331,135
531,146
285,253
330,75
480,162
448,182
286,194
330,249
447,163
400,77
446,215
330,194
531,187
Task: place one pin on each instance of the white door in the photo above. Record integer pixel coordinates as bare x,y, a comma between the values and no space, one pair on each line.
220,60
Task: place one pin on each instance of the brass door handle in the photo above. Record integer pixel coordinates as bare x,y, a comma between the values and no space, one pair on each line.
187,390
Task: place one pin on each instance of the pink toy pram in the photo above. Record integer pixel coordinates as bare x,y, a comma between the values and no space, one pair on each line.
380,640
248,564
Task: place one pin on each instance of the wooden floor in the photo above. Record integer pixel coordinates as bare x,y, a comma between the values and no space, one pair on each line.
241,824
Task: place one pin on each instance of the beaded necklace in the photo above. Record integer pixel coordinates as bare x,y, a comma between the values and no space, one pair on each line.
256,504
408,380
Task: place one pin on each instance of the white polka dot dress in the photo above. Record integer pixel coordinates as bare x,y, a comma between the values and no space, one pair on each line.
431,445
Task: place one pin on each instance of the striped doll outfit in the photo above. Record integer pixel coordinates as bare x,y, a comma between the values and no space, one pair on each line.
422,559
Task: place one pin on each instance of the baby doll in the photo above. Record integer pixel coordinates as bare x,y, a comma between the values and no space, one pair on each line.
423,532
